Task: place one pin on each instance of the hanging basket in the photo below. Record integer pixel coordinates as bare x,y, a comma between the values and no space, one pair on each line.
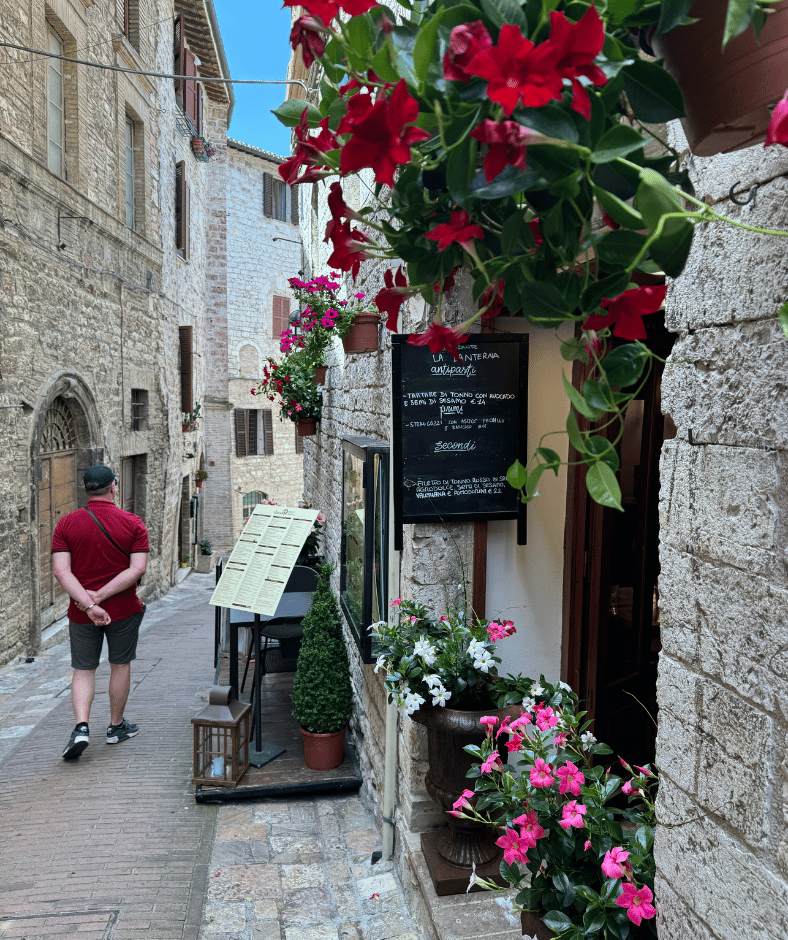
363,334
727,95
323,751
320,375
306,427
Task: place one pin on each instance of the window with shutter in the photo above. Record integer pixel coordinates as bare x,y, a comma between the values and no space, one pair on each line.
187,215
190,87
131,22
185,335
281,316
182,210
294,205
268,432
178,57
246,432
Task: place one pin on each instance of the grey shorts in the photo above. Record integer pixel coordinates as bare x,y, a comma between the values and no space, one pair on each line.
87,640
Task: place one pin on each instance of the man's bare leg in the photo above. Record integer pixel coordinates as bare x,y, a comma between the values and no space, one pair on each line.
83,688
119,686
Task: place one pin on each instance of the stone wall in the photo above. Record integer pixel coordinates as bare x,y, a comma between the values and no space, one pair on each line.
723,690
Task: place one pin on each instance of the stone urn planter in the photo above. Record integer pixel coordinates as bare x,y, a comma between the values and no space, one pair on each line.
323,751
727,94
363,334
204,564
306,427
452,852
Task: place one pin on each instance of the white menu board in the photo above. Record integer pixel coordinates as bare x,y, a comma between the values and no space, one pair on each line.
255,574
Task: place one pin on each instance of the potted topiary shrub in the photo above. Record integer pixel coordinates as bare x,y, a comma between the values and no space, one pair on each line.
322,692
203,563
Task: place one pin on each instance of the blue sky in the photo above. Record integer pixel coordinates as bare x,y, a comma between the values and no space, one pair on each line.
256,34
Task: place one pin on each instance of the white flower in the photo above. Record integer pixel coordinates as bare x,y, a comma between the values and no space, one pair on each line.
587,738
440,696
483,660
565,687
434,681
473,879
422,647
381,661
528,703
412,702
475,647
508,908
537,690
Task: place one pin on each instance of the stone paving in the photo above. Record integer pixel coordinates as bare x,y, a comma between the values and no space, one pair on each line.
114,847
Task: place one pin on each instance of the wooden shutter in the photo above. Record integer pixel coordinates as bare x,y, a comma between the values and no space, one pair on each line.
178,57
252,417
268,195
190,91
185,335
200,107
187,217
281,316
180,207
127,501
241,436
299,441
126,19
293,205
268,432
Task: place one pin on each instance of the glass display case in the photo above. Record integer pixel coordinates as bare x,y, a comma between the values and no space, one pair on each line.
364,554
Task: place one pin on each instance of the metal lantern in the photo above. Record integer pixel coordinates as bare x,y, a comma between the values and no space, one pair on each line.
221,739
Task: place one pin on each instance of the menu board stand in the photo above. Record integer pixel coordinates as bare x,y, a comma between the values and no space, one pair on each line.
458,427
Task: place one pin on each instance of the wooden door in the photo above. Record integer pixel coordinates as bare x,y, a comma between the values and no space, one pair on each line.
612,623
57,496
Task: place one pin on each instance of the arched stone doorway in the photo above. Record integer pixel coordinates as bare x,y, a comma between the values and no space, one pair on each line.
64,446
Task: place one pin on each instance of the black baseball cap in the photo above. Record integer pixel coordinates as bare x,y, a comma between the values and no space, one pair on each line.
98,477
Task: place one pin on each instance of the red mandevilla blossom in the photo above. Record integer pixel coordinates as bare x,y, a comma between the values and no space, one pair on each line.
328,9
506,145
492,300
576,46
465,41
637,902
308,152
517,71
380,138
349,249
625,313
390,298
439,337
459,229
307,32
778,125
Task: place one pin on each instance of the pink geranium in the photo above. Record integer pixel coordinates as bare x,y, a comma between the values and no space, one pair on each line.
637,902
778,125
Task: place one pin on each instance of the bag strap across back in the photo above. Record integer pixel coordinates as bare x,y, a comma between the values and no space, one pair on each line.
107,533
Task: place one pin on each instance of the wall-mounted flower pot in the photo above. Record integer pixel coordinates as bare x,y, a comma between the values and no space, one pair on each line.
197,145
323,751
320,375
727,95
198,484
306,427
363,334
185,427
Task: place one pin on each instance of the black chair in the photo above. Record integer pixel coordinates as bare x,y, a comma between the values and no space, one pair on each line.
284,627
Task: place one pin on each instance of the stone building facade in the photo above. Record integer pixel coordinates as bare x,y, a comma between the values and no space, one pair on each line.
103,335
264,250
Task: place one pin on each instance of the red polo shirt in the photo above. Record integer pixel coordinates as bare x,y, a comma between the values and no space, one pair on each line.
94,559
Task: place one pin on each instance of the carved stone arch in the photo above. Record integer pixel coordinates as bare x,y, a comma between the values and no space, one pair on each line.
65,441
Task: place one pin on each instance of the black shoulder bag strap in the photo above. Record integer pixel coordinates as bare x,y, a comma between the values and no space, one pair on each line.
109,536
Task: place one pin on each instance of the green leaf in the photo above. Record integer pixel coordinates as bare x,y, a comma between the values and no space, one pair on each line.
619,141
609,889
542,304
336,112
672,13
424,47
645,838
618,210
557,921
602,486
506,183
594,921
381,63
402,42
656,198
624,365
579,403
550,457
510,231
739,17
652,92
505,11
782,318
573,432
671,251
604,450
619,248
608,287
601,748
550,120
574,348
598,395
289,113
517,475
533,479
359,31
459,169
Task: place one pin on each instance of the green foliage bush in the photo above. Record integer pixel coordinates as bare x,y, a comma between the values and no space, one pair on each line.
322,692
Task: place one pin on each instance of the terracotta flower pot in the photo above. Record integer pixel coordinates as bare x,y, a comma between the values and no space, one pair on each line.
306,427
185,427
323,751
727,95
320,375
197,145
363,334
198,484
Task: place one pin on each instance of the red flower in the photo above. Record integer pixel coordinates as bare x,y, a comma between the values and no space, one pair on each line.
328,9
625,313
506,145
307,32
459,230
391,297
465,41
492,298
379,137
575,46
348,245
339,210
778,126
448,281
308,152
518,71
438,338
533,225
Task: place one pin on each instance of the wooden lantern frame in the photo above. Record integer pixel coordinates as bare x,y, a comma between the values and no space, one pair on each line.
221,740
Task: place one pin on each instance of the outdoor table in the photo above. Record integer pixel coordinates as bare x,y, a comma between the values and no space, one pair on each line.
292,607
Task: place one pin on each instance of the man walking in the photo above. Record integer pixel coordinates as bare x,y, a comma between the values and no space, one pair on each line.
99,553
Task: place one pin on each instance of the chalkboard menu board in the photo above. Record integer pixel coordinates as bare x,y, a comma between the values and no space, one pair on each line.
458,427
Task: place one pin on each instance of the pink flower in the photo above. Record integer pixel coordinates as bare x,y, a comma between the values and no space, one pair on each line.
541,774
439,337
495,631
489,721
530,830
465,41
505,145
572,813
396,602
560,739
629,789
587,845
523,721
625,313
545,718
613,862
328,9
637,902
459,229
493,762
778,125
461,804
571,779
515,848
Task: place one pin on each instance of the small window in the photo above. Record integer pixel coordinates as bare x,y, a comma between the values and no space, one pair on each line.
281,316
279,200
130,174
246,432
139,409
250,501
55,120
134,484
184,63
